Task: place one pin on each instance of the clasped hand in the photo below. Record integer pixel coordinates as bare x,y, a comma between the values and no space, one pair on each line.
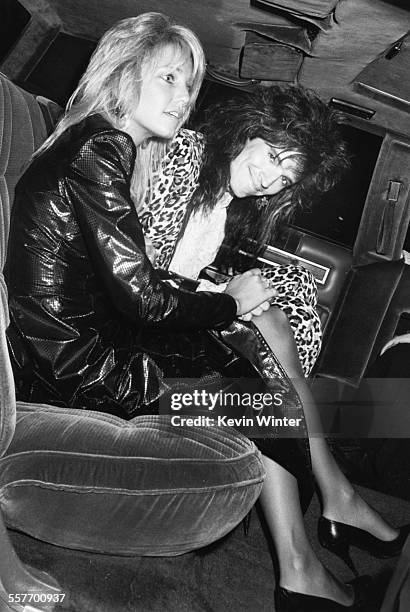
251,292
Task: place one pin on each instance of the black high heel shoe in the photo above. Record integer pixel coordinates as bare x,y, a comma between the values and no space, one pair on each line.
290,601
338,537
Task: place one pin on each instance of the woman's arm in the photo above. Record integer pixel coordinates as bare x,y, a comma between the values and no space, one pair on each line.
97,184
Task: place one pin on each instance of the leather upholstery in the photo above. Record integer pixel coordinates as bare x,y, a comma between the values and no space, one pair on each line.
364,322
337,260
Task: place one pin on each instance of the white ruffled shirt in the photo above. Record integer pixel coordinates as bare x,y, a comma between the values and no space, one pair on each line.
201,240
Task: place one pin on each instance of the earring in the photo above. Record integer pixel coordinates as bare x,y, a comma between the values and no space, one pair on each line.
118,112
262,202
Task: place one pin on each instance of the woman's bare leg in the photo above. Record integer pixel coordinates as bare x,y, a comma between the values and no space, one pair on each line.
340,501
300,569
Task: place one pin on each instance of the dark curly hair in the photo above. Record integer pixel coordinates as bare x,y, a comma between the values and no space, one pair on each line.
289,117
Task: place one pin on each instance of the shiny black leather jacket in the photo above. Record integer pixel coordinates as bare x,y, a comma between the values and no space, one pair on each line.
92,324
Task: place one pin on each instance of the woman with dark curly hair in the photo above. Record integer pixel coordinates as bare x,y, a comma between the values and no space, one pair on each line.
234,164
262,156
303,129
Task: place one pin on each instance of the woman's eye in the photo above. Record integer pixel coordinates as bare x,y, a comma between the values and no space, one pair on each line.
273,156
169,78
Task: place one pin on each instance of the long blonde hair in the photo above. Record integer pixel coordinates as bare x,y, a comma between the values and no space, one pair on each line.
111,84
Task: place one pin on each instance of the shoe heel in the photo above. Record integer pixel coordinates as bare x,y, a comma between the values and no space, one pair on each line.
344,555
336,544
341,551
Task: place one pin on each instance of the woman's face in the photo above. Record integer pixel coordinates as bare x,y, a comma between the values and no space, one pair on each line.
164,96
262,169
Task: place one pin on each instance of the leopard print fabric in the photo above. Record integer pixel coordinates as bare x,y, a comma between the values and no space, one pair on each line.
297,297
173,187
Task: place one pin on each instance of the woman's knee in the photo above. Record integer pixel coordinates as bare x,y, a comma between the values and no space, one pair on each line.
276,320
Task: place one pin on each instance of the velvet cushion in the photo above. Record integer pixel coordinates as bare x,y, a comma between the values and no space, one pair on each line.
95,482
22,129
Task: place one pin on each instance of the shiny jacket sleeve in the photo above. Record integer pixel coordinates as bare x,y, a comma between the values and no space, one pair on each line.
97,184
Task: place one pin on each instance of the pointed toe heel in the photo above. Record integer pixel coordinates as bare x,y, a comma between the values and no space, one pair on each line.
334,540
290,601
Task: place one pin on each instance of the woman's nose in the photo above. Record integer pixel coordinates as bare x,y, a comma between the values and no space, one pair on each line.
269,176
182,94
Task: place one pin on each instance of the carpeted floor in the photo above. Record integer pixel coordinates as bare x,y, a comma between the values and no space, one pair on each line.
235,574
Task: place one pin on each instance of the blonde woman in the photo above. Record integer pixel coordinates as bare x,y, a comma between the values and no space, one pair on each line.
87,303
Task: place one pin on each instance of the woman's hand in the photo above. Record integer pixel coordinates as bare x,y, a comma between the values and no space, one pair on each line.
256,312
259,310
250,291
